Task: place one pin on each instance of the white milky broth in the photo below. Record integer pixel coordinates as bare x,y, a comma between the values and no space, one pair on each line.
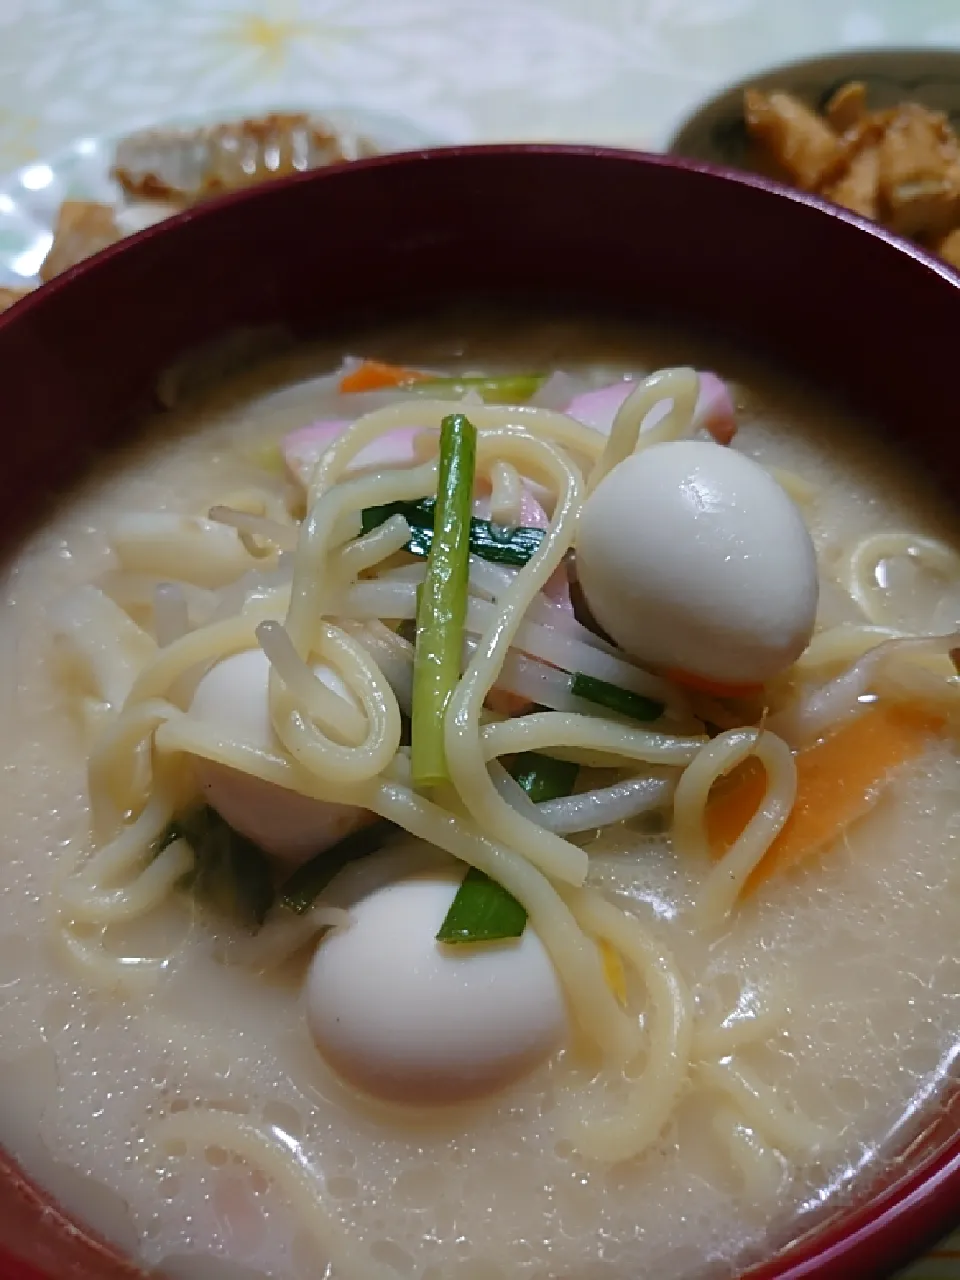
851,958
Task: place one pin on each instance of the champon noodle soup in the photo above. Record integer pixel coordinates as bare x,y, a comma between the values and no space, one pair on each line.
485,810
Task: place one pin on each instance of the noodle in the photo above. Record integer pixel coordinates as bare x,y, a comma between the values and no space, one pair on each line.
800,490
284,1164
213,642
816,713
105,972
616,742
117,772
760,1167
843,643
734,1032
313,748
788,1130
724,882
653,1096
171,618
506,494
340,679
319,701
573,955
379,544
94,905
545,424
680,386
107,645
188,735
132,843
588,810
282,937
464,751
860,573
250,526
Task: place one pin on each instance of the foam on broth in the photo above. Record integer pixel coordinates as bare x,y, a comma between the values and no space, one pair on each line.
859,946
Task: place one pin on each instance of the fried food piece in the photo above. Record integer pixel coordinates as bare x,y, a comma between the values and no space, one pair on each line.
799,140
919,173
8,296
83,229
847,107
899,166
858,188
949,250
185,165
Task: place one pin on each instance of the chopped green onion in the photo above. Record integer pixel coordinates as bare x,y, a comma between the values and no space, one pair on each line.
231,873
544,777
487,540
442,606
623,701
301,890
493,542
482,911
508,388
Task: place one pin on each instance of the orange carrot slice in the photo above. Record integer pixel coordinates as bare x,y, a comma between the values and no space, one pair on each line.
838,781
374,375
717,688
506,703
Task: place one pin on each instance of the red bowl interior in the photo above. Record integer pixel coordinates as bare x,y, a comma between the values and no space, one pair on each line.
840,301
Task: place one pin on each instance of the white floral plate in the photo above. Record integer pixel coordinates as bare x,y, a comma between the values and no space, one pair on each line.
31,196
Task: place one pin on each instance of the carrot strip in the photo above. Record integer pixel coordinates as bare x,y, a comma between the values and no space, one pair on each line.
717,688
838,781
506,703
374,375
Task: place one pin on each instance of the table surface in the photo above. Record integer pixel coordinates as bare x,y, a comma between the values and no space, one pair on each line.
624,72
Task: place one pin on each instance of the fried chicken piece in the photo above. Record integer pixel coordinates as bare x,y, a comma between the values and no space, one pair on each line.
83,229
10,295
949,250
847,107
798,139
919,173
858,187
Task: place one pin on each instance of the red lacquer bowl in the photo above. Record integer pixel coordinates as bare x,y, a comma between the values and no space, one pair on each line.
848,306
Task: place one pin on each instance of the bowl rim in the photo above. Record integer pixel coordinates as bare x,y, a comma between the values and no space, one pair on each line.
42,295
902,1219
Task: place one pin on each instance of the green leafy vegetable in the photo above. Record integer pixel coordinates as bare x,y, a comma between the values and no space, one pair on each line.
482,911
231,874
489,541
442,606
301,890
626,703
508,388
544,777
